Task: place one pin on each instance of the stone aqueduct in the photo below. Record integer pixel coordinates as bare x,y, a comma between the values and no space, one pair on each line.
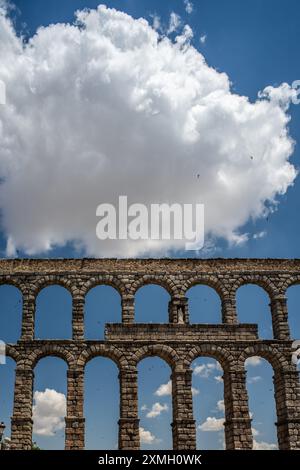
177,342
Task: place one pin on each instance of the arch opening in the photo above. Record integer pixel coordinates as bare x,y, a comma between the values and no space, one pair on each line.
208,403
49,403
204,304
151,304
293,302
11,300
102,305
261,403
253,307
155,403
101,404
53,317
7,383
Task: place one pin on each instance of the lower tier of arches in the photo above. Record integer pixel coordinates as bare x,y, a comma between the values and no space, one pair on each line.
179,355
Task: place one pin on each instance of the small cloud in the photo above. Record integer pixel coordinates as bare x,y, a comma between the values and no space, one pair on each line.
238,239
222,442
218,378
2,352
203,39
253,361
205,370
189,7
201,370
195,391
164,389
281,96
220,405
156,24
49,410
146,437
255,432
214,366
11,251
144,408
185,37
260,234
254,379
264,446
156,410
211,365
174,23
212,424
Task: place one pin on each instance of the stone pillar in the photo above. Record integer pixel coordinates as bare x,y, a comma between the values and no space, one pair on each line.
229,314
127,310
129,436
280,318
183,426
28,316
78,317
21,421
74,433
238,434
287,396
178,310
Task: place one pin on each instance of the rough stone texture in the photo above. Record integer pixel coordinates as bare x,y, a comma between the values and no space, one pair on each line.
177,342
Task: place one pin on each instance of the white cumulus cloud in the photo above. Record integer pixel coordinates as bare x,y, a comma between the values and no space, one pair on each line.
189,7
174,23
221,405
106,107
146,437
206,370
212,424
255,432
164,389
219,378
254,379
253,361
261,234
201,370
156,410
49,410
264,445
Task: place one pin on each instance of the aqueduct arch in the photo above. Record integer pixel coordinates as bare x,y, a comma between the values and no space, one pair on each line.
178,342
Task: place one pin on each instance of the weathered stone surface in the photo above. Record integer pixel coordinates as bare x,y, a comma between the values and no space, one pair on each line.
177,342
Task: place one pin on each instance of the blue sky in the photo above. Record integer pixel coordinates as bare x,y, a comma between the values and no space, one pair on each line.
256,44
